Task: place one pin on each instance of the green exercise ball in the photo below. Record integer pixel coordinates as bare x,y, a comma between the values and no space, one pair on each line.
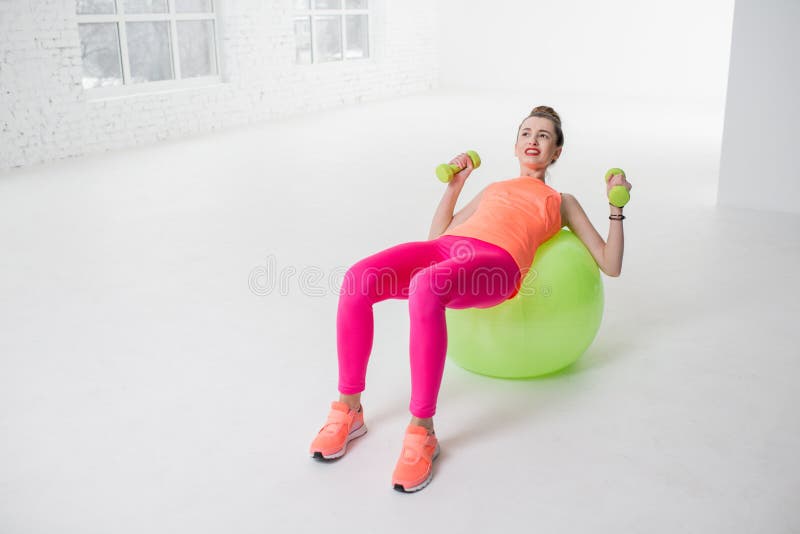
547,326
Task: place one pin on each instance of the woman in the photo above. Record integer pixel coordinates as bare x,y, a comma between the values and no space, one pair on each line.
497,233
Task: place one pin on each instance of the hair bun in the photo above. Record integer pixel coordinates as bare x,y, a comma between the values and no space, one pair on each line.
550,112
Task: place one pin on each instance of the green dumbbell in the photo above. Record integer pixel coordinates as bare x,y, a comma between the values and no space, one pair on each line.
618,196
445,171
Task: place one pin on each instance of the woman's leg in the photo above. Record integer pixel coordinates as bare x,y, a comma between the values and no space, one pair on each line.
478,274
381,276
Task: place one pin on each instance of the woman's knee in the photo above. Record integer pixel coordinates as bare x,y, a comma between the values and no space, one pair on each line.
430,285
364,278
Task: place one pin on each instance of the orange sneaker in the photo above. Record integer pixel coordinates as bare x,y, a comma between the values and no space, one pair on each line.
342,426
414,469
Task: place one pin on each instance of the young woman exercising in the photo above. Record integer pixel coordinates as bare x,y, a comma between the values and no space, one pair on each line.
475,258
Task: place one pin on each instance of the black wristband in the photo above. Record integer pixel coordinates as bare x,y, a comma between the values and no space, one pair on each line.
619,217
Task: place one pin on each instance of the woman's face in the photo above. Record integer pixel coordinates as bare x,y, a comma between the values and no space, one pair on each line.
536,143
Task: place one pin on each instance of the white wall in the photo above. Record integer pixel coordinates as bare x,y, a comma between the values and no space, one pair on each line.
45,114
640,85
657,49
758,166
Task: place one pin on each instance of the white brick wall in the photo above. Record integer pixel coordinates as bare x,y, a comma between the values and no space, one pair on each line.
45,113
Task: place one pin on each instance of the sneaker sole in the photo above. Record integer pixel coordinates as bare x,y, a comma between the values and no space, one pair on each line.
355,433
401,489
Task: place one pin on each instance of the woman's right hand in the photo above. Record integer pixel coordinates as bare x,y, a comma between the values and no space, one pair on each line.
464,161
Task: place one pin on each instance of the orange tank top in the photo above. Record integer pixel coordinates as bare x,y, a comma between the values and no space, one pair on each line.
518,215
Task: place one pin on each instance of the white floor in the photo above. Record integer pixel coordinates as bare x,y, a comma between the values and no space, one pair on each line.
151,382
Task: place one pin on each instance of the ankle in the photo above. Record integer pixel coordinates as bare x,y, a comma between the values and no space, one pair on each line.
352,401
356,407
426,423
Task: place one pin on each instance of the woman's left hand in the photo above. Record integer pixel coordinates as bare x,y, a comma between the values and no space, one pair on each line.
618,179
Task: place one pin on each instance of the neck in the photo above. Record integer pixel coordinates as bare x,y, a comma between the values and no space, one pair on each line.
532,173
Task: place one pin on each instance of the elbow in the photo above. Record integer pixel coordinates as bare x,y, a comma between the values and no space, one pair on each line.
610,270
611,266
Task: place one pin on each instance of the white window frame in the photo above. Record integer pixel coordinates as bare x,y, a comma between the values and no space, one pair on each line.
128,87
299,13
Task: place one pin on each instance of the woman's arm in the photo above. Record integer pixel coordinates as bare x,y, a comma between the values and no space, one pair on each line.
607,254
444,212
444,219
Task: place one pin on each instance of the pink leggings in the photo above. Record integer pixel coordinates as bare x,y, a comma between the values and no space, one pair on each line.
450,271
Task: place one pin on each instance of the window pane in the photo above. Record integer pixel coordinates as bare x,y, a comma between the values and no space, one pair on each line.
327,4
149,51
357,36
146,6
356,4
193,6
196,48
302,4
302,39
100,55
95,7
328,38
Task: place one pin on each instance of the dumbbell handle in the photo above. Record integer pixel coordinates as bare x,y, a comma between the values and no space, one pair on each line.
446,171
619,195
